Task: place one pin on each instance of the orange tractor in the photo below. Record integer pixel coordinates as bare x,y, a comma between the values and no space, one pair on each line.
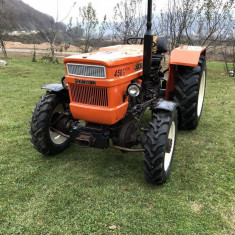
105,94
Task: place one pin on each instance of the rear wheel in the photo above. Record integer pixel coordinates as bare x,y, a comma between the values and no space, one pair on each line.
44,138
160,146
189,93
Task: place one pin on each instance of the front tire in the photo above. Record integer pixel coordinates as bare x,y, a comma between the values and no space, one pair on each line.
189,93
44,139
160,146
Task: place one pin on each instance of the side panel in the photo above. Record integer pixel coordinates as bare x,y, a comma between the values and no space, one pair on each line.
185,56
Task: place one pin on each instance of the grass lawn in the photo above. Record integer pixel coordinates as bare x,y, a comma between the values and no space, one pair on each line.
84,191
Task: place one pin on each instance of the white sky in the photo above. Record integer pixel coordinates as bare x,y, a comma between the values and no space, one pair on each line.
102,7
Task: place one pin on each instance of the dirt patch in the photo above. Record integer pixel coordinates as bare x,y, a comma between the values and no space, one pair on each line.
42,46
196,207
19,45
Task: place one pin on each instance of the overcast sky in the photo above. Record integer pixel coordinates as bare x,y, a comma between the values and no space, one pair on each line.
102,7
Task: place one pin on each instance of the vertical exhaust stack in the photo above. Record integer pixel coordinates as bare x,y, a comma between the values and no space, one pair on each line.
148,44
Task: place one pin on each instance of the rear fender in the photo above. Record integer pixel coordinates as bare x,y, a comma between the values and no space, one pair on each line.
185,56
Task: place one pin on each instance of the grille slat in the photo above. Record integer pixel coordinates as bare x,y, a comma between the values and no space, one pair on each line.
102,98
82,70
89,95
88,99
97,97
83,95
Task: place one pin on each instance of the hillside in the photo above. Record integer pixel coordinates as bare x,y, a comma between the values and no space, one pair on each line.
27,18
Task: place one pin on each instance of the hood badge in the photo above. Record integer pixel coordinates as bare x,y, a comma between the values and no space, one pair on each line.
85,82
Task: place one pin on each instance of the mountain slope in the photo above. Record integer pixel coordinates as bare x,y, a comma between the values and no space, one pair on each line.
27,18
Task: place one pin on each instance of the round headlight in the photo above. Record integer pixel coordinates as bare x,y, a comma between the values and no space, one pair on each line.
64,83
133,90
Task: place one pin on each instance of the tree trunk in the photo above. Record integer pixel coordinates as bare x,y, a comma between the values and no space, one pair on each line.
53,52
3,46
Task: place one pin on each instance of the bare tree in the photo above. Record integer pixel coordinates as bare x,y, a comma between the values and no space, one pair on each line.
103,28
213,22
51,34
93,30
74,32
6,24
130,19
88,23
228,52
174,20
201,22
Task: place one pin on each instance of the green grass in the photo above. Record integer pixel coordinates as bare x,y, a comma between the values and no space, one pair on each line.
84,191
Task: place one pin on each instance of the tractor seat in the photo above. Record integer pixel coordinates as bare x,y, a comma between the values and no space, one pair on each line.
160,44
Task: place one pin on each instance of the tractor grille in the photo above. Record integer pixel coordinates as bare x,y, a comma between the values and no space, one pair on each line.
89,95
90,71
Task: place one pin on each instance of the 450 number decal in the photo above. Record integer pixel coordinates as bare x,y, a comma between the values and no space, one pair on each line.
121,72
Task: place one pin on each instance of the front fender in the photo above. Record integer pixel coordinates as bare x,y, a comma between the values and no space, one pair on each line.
165,105
54,87
59,90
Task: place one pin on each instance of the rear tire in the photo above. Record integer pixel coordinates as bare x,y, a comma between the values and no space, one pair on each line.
189,93
43,138
160,146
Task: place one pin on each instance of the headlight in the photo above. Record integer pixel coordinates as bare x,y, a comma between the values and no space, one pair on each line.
134,89
64,83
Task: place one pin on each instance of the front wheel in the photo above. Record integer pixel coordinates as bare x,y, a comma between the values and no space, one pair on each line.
160,146
44,137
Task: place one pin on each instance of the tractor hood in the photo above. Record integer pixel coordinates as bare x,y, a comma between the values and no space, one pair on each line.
110,56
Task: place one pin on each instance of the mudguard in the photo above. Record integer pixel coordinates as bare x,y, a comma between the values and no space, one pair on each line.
165,105
185,56
54,87
59,90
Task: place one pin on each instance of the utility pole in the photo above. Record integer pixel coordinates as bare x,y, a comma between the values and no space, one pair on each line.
57,15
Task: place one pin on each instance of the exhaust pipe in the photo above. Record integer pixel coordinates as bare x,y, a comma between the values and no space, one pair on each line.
148,44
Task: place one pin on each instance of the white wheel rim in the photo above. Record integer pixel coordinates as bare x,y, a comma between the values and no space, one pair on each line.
168,156
201,94
55,137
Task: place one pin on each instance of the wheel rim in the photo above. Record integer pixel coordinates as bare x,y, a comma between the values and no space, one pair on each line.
55,137
201,94
168,156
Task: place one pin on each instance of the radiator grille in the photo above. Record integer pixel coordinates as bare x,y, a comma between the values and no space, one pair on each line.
89,95
90,71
